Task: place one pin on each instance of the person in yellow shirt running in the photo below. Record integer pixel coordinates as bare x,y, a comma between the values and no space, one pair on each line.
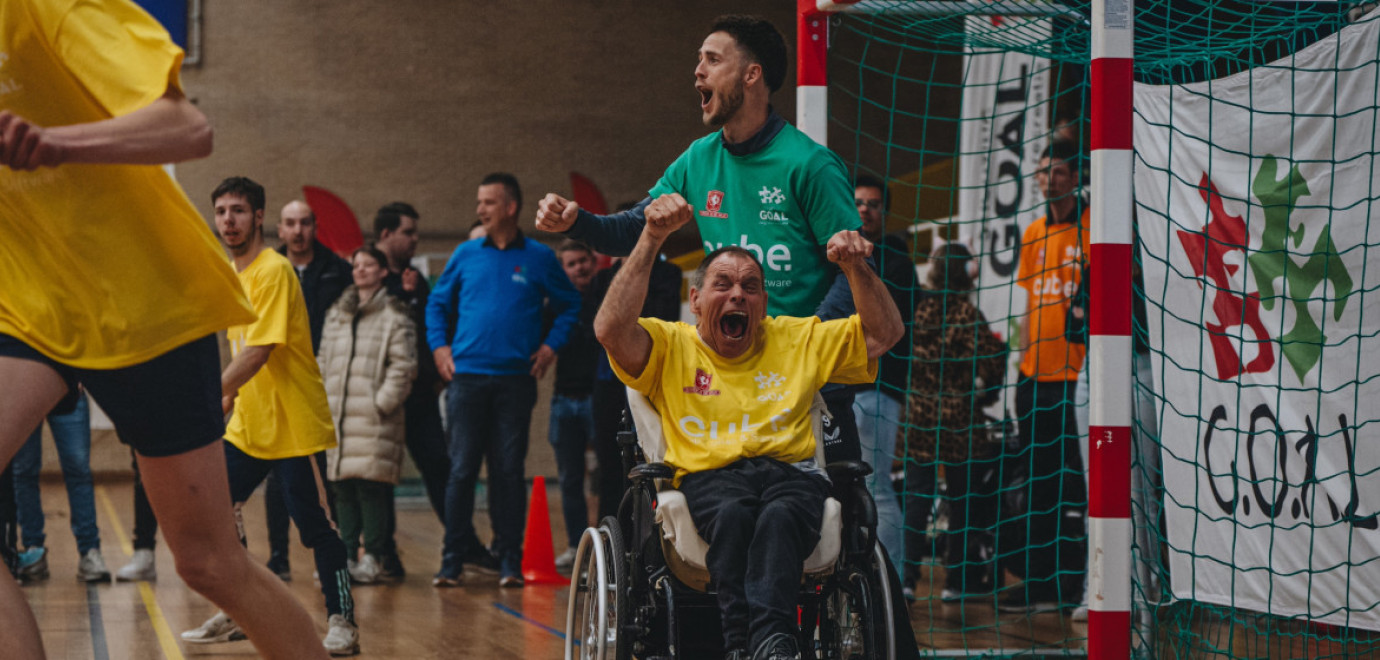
734,394
279,419
114,281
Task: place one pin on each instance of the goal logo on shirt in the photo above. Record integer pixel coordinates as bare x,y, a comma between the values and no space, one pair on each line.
712,203
702,381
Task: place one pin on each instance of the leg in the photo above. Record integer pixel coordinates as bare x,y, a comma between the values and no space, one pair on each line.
21,410
468,418
724,506
309,504
569,435
348,515
27,464
786,532
191,497
426,441
610,399
375,503
276,516
72,436
919,489
512,419
877,416
145,523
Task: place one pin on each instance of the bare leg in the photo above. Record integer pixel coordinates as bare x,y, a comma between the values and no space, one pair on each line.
190,495
32,390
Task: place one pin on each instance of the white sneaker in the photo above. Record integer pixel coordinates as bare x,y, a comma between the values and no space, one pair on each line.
139,568
566,560
92,568
366,570
1079,614
218,628
343,636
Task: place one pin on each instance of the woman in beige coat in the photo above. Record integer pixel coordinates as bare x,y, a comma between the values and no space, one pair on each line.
368,359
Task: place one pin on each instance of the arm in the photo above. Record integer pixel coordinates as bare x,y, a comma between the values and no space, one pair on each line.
168,130
616,327
564,302
439,307
615,234
241,368
880,321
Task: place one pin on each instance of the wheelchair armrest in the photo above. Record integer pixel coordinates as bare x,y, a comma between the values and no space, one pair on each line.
651,471
841,472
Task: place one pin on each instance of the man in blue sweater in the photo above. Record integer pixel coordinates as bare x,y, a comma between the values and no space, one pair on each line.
495,286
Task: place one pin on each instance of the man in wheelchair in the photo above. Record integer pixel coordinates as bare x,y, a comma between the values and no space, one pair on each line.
734,393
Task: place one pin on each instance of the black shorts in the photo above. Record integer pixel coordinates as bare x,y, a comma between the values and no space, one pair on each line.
163,407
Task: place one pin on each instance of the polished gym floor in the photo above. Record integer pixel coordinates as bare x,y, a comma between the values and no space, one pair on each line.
410,619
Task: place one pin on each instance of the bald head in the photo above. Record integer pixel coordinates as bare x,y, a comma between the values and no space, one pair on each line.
297,229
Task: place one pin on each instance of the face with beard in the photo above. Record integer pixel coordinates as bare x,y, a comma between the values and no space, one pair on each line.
719,78
730,304
237,222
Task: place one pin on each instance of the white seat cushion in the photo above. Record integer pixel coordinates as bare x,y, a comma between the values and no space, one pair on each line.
673,514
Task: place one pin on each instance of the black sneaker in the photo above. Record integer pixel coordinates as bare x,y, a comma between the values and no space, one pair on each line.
778,646
481,560
392,568
278,564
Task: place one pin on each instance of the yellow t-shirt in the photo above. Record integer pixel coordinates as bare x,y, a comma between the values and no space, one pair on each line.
715,411
281,412
104,266
1049,271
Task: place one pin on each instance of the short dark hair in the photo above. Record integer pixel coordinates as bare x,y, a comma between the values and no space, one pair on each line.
1067,152
949,269
869,181
697,277
243,186
572,245
389,218
510,185
763,43
372,251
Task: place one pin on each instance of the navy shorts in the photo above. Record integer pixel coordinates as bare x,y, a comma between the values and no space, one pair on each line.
163,407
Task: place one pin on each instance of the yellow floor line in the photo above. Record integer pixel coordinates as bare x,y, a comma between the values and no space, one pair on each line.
171,651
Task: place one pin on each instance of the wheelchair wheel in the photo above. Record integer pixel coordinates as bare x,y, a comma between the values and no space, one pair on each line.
620,605
596,602
854,623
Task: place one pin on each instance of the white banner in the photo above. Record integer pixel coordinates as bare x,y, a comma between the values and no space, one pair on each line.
1257,193
1003,131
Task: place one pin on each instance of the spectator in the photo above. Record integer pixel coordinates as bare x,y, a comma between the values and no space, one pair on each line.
496,286
72,438
1052,249
878,408
572,409
957,369
368,358
395,234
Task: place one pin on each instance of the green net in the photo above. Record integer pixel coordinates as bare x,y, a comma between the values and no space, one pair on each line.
1254,491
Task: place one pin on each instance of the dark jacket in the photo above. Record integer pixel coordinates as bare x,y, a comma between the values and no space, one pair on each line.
323,280
424,387
892,263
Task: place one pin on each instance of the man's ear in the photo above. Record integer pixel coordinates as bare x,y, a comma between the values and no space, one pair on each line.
752,75
695,301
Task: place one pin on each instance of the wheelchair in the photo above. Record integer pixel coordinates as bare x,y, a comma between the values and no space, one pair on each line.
639,577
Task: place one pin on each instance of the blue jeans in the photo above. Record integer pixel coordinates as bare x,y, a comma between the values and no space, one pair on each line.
489,418
72,436
878,416
572,429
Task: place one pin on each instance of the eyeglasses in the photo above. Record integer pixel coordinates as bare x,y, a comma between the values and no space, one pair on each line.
869,203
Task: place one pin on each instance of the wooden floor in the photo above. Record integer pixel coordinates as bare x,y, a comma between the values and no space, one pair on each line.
411,619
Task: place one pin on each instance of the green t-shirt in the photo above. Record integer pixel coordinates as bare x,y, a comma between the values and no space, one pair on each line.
782,203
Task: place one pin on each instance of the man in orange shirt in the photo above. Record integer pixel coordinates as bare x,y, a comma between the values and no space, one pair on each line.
1052,254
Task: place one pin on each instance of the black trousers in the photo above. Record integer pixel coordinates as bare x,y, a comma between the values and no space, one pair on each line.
610,400
761,518
1054,546
145,524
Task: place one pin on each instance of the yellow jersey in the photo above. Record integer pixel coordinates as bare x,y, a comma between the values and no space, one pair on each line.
715,411
105,266
281,412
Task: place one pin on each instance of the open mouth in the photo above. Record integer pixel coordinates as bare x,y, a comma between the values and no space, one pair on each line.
734,325
705,96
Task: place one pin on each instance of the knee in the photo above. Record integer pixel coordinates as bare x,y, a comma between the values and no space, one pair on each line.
212,573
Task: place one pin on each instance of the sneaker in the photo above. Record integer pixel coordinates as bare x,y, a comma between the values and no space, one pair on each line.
777,646
511,580
33,564
342,638
444,581
278,564
950,595
366,570
908,593
391,568
481,560
92,568
1022,601
566,560
1080,614
139,568
218,628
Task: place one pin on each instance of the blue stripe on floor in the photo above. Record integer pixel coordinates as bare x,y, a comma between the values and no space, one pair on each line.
93,609
524,617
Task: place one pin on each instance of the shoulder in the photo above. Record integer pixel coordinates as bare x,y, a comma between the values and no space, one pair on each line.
271,268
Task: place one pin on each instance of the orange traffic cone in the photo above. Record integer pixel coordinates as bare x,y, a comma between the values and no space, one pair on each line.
538,556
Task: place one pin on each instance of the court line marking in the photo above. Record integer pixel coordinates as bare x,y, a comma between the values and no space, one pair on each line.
171,650
99,648
508,610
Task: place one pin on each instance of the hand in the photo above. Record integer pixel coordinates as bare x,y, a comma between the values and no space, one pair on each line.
409,279
541,360
556,214
1077,312
227,403
666,214
848,249
26,146
445,363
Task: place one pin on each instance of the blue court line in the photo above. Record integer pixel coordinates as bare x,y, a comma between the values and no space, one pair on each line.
93,610
524,617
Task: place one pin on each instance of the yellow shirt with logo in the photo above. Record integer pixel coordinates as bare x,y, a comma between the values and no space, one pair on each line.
104,266
281,412
715,411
